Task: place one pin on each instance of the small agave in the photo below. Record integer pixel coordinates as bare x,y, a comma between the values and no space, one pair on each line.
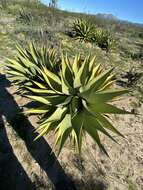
104,40
78,101
25,16
84,30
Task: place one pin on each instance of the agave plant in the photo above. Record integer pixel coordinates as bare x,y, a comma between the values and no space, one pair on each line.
78,101
25,67
3,4
104,39
83,29
25,16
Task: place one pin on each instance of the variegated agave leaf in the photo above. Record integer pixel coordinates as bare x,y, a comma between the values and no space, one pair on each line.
77,101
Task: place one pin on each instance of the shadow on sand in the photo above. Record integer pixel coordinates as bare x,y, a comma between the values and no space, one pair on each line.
16,177
12,174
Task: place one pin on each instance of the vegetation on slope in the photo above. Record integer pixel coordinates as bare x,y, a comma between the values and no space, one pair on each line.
23,21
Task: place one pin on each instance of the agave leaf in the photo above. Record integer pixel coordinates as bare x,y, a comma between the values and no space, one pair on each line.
94,72
66,75
52,81
66,102
41,91
52,127
65,135
99,80
53,76
74,106
82,74
39,110
107,85
77,124
21,51
57,115
26,62
109,79
85,71
13,64
68,67
41,127
17,78
33,51
102,96
39,85
57,100
92,63
94,85
75,66
63,130
89,126
106,108
39,99
106,124
65,85
54,100
15,73
96,124
44,131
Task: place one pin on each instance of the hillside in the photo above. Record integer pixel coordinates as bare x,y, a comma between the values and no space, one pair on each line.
26,164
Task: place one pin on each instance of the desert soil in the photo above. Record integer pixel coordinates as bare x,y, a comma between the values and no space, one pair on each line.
27,165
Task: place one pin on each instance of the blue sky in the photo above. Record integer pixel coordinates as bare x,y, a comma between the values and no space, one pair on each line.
131,10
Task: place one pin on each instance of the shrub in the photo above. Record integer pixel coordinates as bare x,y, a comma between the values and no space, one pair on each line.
83,30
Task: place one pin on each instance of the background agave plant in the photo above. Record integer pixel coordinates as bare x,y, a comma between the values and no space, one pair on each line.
76,102
104,40
25,67
25,16
83,29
